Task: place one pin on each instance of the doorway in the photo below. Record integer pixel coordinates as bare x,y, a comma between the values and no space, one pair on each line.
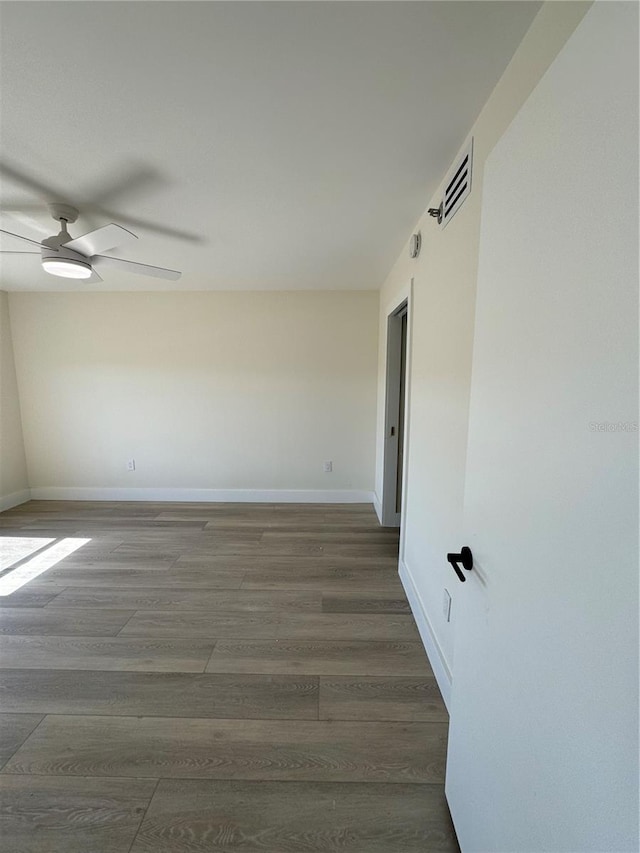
395,414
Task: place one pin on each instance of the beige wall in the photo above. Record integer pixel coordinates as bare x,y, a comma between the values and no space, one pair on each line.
205,390
443,303
13,466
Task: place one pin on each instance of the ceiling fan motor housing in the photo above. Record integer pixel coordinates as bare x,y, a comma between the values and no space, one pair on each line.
63,211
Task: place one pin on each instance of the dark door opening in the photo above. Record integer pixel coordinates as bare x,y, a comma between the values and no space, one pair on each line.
395,419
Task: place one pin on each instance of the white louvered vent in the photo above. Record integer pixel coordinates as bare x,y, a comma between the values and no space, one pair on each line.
457,185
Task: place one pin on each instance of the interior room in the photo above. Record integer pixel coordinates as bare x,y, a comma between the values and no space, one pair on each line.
319,426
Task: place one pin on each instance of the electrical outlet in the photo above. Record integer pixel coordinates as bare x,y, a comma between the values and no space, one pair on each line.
131,464
327,467
446,606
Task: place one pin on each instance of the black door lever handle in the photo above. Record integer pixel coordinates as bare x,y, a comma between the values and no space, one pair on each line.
465,557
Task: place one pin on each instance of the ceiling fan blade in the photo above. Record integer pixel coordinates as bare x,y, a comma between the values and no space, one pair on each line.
26,218
100,240
16,206
94,278
20,237
130,179
132,266
145,225
138,179
15,174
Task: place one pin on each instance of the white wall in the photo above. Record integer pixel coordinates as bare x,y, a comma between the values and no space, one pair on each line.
207,391
444,286
545,685
13,466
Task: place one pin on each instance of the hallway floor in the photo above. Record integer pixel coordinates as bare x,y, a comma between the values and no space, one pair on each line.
214,677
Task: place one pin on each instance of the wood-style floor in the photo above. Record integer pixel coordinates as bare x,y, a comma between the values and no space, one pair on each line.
215,677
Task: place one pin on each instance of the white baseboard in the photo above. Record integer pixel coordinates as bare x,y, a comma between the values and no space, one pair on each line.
95,493
14,499
377,505
432,647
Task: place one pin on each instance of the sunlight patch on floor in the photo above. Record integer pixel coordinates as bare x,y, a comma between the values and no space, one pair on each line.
38,564
16,548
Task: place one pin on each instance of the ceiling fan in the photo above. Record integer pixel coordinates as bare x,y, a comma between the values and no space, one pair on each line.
79,257
129,178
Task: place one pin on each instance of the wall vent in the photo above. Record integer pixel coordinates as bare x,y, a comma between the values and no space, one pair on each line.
457,185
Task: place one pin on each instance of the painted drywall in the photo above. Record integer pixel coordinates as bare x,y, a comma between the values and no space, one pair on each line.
13,466
443,302
545,685
206,391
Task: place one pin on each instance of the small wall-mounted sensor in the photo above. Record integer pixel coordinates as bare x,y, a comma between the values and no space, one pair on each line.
415,244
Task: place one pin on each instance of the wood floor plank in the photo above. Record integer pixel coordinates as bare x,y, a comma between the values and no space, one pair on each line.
14,730
335,544
46,526
104,653
159,694
322,534
306,524
319,657
187,816
256,625
154,550
255,516
136,577
291,750
391,698
214,601
61,622
203,558
40,814
116,560
9,520
364,602
287,546
325,579
96,549
115,525
205,516
40,530
31,596
199,552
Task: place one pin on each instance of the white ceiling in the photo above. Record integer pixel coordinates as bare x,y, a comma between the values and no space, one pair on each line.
300,141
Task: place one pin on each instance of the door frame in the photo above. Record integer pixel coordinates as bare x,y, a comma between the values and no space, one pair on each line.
389,516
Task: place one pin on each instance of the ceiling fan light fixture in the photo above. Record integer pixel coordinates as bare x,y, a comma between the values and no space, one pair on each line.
77,258
66,267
